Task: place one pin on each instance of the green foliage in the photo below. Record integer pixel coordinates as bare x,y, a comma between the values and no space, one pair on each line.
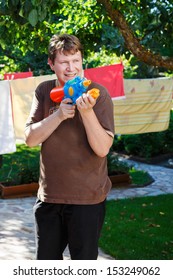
24,11
140,177
139,228
103,57
115,165
26,26
152,22
21,166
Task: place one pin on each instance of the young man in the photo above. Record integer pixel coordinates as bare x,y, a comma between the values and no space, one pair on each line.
75,140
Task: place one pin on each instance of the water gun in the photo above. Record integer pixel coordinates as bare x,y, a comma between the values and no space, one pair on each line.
73,89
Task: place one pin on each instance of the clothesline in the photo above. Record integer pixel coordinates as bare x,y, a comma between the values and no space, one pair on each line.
140,106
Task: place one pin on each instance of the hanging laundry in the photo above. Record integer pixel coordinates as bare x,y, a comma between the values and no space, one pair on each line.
22,95
7,136
146,107
17,75
110,76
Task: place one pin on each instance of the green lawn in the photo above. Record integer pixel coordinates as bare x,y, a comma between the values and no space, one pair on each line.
139,228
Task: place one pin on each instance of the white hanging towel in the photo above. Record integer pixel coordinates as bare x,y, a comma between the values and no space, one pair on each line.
7,137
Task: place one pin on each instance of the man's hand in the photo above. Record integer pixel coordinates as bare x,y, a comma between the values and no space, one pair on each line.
85,103
66,110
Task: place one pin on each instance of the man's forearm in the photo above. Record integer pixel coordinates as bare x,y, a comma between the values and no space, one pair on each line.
37,133
99,140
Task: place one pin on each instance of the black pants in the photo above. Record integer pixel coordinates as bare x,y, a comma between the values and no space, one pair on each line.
78,226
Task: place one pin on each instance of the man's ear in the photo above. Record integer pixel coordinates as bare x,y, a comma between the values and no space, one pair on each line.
50,64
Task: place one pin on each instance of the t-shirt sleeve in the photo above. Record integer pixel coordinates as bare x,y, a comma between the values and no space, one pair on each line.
104,110
36,112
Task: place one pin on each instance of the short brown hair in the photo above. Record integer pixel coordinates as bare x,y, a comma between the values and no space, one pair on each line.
65,43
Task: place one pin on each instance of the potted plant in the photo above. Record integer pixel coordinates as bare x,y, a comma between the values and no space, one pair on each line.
26,184
118,171
19,173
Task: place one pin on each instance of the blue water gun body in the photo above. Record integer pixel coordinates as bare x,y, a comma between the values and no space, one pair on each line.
72,89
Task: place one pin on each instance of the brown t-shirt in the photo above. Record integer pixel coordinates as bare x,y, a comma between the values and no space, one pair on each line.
70,171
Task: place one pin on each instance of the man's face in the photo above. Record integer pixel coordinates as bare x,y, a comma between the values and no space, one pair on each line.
67,66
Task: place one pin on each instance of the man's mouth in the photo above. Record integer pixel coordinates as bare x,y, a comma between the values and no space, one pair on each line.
71,76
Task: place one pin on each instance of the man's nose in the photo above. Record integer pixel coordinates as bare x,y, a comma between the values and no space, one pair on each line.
70,66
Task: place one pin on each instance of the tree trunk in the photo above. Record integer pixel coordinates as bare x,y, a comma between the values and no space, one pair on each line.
133,43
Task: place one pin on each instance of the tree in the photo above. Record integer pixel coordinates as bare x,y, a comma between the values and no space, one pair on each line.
125,27
133,42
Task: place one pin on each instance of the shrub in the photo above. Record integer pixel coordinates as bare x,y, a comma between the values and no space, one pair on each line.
20,167
115,165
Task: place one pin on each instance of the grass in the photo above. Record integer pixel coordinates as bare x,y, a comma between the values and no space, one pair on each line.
139,228
140,177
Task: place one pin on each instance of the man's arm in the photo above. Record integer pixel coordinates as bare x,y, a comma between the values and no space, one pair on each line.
99,139
37,133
